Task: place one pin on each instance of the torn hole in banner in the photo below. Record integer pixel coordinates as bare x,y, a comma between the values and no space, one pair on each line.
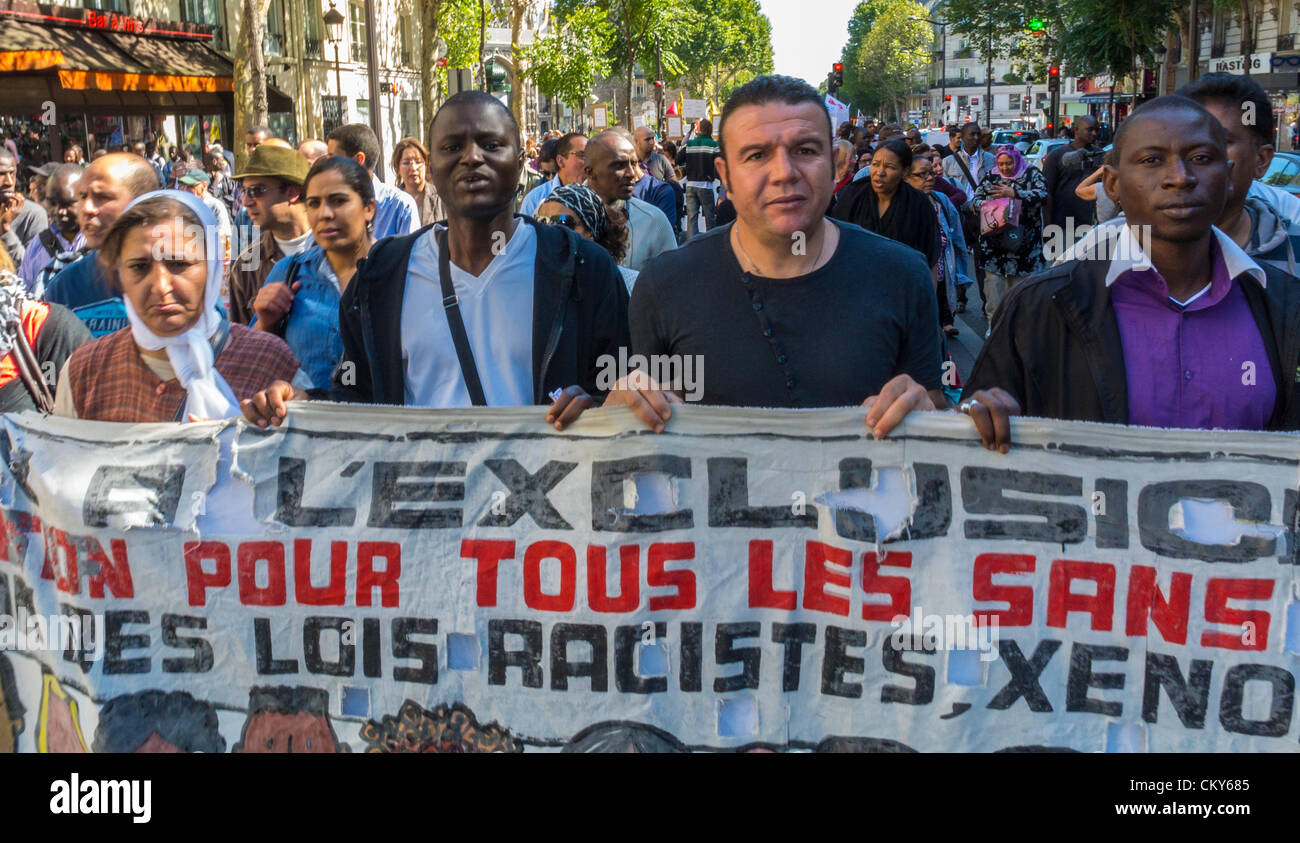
1125,737
462,651
890,501
1212,521
649,493
738,716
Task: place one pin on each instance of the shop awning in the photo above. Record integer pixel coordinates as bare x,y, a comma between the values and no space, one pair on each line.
106,70
1102,99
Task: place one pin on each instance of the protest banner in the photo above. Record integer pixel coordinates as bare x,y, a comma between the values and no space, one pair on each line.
413,580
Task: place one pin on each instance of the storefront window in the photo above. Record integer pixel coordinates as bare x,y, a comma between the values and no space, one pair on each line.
282,126
357,18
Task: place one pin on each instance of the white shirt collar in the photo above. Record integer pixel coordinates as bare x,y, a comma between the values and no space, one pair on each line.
1127,254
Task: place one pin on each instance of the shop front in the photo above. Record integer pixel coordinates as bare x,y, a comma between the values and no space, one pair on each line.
100,79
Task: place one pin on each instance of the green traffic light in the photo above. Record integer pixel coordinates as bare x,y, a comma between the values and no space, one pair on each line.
1036,24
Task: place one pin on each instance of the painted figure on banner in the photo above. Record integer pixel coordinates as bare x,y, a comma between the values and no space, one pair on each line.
158,721
288,719
446,729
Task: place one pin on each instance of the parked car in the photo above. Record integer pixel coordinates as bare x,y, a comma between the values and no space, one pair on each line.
1039,148
1284,172
1021,139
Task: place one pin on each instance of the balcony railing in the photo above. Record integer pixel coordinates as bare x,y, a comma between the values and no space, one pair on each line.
1217,50
1286,42
312,47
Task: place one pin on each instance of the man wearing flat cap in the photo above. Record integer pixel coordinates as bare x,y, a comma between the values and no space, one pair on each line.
273,197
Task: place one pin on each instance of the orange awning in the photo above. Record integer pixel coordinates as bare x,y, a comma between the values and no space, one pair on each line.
16,60
82,80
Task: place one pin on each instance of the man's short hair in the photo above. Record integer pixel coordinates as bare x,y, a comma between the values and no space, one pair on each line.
953,130
1233,90
564,145
546,154
260,130
357,137
6,155
772,88
1169,102
475,98
706,127
140,177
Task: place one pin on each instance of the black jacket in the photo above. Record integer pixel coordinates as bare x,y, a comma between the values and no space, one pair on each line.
1055,345
579,314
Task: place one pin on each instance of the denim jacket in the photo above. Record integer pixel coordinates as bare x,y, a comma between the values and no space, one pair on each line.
312,327
956,240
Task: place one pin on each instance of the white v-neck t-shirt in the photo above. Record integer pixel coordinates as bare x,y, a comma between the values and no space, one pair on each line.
497,308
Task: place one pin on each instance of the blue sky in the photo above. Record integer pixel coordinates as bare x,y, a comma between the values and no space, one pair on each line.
807,35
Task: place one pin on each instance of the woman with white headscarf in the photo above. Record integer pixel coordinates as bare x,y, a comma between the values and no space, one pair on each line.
179,359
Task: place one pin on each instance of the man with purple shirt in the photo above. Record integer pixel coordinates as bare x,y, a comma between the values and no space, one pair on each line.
1174,326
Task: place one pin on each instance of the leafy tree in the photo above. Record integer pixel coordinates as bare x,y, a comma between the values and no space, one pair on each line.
641,27
455,24
1001,31
566,64
895,51
730,43
1116,36
856,89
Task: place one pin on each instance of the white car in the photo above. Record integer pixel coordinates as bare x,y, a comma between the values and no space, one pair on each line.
1040,148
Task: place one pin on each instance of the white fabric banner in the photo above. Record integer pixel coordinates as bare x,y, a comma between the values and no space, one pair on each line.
384,580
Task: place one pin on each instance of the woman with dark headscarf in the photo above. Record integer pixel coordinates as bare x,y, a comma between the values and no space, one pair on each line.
581,209
1010,255
886,204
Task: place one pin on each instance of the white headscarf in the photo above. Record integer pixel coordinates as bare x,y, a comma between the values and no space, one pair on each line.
209,396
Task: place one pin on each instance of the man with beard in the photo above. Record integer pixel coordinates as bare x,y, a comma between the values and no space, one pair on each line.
20,219
1161,333
107,186
58,245
432,319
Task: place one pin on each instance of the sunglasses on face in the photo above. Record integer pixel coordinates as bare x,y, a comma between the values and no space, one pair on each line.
257,191
560,219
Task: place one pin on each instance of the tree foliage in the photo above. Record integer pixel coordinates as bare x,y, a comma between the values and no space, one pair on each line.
729,44
567,63
894,52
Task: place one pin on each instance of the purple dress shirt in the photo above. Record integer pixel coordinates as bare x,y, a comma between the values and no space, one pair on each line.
1187,366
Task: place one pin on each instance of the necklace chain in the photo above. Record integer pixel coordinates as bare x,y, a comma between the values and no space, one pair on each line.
754,267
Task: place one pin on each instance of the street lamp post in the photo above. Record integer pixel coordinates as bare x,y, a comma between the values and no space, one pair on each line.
943,63
334,29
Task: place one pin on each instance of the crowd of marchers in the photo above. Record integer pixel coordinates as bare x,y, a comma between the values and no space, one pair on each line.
804,267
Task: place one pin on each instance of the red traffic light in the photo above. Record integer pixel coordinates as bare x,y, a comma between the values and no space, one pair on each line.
1053,71
838,67
947,97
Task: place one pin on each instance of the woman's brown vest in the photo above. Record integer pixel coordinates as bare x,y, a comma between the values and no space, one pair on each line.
111,382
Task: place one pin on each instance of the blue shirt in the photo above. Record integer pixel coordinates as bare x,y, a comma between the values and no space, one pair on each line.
395,211
311,329
537,196
83,289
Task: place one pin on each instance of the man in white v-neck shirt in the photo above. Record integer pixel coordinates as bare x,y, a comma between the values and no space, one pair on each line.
492,305
540,307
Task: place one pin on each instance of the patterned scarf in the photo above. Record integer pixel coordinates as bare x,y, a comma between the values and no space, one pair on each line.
13,292
586,203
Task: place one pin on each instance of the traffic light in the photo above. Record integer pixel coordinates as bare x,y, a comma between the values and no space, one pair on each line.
1037,24
1053,78
837,71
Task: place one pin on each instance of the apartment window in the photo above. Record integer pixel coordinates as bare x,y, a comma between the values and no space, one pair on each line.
282,126
333,113
363,111
315,39
404,39
209,12
118,6
357,28
1285,11
411,119
1219,34
273,34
